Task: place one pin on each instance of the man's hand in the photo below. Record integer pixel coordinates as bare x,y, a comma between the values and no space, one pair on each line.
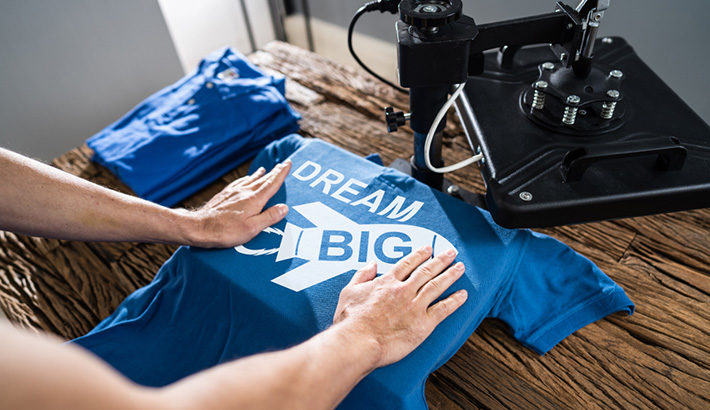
395,310
234,216
37,199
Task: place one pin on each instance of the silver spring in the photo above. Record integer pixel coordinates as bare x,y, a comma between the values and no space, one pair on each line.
609,106
571,107
570,115
538,101
608,109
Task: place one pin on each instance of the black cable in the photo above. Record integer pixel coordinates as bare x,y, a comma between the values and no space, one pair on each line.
309,30
371,6
247,24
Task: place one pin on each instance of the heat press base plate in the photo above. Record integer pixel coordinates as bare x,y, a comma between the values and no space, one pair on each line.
522,167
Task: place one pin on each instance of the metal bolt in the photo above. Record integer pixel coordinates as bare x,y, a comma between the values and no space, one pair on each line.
608,107
597,17
616,74
607,40
538,101
563,56
570,114
478,151
548,66
209,85
191,101
453,189
430,9
526,196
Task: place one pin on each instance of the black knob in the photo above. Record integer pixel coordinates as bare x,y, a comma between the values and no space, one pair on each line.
394,119
429,13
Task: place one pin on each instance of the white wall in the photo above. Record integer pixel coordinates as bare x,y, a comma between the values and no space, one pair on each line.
200,27
69,68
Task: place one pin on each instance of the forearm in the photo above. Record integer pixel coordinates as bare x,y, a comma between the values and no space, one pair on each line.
41,373
38,372
316,374
37,199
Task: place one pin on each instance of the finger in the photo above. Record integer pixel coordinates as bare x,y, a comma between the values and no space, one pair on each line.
431,268
368,273
442,309
406,265
273,183
271,174
251,178
267,218
247,179
435,287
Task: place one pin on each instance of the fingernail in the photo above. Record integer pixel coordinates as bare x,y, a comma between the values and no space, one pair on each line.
426,249
261,169
287,162
282,208
462,294
451,253
459,267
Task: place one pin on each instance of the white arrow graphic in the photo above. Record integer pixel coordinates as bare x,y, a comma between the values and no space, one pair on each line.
337,245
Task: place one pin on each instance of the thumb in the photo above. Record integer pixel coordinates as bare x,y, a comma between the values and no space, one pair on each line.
268,217
365,274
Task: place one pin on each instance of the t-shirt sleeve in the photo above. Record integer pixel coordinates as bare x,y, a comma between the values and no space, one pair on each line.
554,291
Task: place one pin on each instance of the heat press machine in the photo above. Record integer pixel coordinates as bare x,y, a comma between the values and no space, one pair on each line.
565,127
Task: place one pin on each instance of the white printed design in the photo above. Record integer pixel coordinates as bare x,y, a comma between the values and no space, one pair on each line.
337,245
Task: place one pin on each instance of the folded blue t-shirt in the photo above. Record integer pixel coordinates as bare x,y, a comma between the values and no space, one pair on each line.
185,136
205,307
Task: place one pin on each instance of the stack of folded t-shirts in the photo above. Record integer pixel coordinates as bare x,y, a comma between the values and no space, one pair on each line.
185,136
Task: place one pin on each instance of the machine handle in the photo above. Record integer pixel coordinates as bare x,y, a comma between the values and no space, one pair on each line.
671,155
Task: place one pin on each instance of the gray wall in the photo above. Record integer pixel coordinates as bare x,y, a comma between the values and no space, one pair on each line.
671,36
68,68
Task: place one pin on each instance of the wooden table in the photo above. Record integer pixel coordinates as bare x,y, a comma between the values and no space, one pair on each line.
659,357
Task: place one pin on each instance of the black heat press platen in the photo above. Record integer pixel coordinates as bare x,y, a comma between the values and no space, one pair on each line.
652,156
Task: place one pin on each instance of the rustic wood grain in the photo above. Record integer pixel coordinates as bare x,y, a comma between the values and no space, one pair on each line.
659,357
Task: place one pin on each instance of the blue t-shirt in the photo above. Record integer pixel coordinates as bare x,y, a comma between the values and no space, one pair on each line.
185,136
206,307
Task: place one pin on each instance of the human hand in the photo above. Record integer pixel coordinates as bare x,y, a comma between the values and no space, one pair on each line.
234,216
395,310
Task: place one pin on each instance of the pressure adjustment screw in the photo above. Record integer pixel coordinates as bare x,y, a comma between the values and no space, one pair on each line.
548,66
538,101
608,107
616,74
395,119
526,196
570,114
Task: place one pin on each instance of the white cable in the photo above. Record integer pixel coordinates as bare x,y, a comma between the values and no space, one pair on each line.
430,137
